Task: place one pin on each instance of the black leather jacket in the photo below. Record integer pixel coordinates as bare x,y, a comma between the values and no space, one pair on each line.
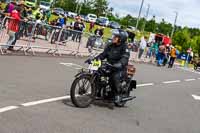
116,54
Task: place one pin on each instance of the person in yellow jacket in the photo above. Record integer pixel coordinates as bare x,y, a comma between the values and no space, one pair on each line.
173,55
37,13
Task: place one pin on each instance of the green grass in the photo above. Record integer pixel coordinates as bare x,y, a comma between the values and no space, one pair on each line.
107,31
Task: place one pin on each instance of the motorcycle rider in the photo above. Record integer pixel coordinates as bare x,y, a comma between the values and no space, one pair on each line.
117,54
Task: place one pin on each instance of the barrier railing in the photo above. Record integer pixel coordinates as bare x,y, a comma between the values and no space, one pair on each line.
53,40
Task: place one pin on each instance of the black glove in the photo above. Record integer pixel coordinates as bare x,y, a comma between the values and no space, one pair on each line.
89,61
117,65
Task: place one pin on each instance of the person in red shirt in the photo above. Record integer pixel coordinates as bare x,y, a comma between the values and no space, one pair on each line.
13,28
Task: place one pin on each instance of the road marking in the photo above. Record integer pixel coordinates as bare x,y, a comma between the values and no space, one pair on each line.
196,97
187,80
45,101
73,65
171,82
66,64
198,78
148,84
5,109
70,64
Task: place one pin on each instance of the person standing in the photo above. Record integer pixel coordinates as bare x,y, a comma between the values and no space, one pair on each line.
143,45
154,51
13,28
23,16
78,27
161,54
173,56
91,26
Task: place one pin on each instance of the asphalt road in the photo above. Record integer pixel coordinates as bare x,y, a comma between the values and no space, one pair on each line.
164,102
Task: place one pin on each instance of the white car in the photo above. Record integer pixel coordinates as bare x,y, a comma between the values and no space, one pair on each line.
72,14
105,21
131,28
91,18
45,5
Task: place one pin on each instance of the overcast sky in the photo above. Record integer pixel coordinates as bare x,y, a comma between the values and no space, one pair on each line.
189,10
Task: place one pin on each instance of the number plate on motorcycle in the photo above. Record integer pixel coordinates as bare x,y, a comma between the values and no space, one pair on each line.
95,65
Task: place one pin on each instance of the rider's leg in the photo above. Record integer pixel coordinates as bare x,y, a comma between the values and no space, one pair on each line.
116,85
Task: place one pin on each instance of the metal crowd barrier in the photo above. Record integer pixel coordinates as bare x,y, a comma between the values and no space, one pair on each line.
53,39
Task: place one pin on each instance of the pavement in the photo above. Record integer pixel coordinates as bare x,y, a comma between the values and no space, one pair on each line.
34,95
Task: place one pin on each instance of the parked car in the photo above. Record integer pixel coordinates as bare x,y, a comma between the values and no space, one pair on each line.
102,21
131,28
45,5
58,11
114,25
91,18
72,14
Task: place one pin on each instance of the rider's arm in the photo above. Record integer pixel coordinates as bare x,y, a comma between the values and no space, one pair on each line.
125,57
103,55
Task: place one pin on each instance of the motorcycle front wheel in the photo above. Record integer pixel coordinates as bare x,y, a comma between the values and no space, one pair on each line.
82,92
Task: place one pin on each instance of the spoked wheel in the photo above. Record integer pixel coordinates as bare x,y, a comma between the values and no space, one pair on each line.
82,92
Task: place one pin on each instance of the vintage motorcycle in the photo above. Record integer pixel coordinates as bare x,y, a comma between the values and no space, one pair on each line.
93,84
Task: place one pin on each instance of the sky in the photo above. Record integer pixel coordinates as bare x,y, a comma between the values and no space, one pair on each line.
188,10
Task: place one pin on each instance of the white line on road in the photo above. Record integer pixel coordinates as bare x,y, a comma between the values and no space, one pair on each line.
196,97
45,101
171,82
198,78
187,80
5,109
70,64
148,84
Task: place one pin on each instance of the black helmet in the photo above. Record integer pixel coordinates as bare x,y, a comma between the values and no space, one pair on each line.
123,35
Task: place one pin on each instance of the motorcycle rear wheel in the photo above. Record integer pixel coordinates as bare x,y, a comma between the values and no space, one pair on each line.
82,92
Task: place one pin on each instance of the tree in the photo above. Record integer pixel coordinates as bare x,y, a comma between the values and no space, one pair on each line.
182,38
100,7
37,3
87,7
128,21
164,28
68,5
195,44
151,25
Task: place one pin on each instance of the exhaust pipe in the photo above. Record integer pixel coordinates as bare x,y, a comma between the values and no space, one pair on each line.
128,98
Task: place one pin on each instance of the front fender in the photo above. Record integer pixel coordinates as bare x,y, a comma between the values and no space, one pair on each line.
83,74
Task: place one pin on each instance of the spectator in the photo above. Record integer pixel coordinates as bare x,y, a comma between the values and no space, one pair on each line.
13,28
10,7
99,31
78,27
23,16
131,36
61,21
143,45
91,26
48,15
161,54
154,51
173,55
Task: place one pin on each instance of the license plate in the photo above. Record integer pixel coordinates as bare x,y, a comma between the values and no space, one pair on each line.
95,65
